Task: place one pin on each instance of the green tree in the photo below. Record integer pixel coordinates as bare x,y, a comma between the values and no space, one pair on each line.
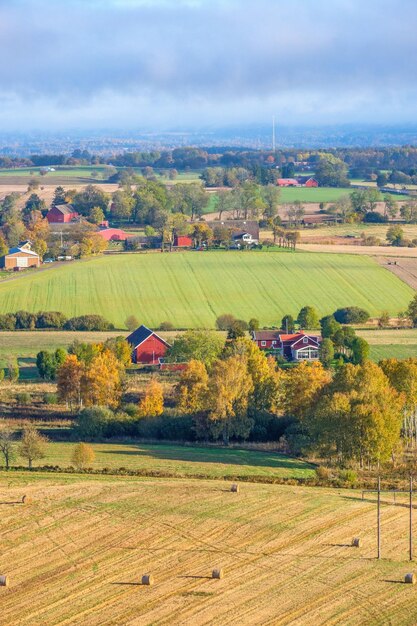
360,350
253,324
308,318
199,345
131,323
237,329
395,235
329,326
412,311
326,352
96,215
33,445
288,324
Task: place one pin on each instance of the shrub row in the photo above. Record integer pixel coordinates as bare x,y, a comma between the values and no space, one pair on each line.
24,320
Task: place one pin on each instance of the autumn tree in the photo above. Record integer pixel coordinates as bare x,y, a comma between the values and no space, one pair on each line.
69,376
358,416
33,445
228,394
101,381
402,375
302,387
82,456
152,402
191,390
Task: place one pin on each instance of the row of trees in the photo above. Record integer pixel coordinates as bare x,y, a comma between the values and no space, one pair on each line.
25,320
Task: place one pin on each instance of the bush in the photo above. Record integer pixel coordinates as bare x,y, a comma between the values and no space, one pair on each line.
88,322
50,398
50,319
166,326
225,321
92,423
323,473
8,322
373,217
348,476
23,397
351,315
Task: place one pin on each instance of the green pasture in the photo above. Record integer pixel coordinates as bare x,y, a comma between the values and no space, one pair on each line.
184,461
191,288
313,194
391,343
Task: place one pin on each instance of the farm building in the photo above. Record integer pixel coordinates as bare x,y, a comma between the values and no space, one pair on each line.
307,181
19,257
62,214
113,234
148,347
302,181
246,231
287,182
182,241
294,347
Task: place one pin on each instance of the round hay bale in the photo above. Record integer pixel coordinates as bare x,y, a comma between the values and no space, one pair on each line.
26,500
4,581
218,573
235,488
410,578
356,542
147,579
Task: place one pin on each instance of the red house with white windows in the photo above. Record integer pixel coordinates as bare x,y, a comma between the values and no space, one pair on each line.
294,347
147,347
62,214
302,181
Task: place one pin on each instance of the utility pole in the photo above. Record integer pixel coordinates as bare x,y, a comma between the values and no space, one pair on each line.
379,518
411,518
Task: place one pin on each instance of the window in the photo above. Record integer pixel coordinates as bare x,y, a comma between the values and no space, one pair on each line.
274,343
305,340
263,343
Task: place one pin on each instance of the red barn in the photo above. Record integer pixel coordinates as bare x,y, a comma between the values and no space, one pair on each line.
113,234
61,214
183,241
287,182
148,347
307,181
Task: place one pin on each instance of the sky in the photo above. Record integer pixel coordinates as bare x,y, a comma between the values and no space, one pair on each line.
166,64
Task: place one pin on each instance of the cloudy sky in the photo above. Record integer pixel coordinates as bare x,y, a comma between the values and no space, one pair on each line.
194,63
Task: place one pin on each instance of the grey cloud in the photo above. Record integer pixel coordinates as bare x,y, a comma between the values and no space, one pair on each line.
344,54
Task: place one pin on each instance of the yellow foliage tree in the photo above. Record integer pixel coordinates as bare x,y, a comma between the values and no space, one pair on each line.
302,386
152,403
191,390
101,382
229,388
82,456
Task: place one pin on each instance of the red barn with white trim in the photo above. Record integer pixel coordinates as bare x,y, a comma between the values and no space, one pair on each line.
148,347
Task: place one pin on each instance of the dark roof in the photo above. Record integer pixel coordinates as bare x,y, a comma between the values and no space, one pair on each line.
140,334
65,209
303,179
265,335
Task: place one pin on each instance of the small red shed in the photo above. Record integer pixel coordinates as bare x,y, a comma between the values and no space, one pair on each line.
148,347
183,241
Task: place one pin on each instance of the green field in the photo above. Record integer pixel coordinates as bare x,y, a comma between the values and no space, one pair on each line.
391,343
191,289
312,194
184,461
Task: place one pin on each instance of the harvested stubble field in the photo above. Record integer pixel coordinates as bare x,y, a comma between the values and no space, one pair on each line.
75,556
190,289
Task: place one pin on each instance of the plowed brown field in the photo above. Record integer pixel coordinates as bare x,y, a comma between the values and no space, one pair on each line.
75,556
